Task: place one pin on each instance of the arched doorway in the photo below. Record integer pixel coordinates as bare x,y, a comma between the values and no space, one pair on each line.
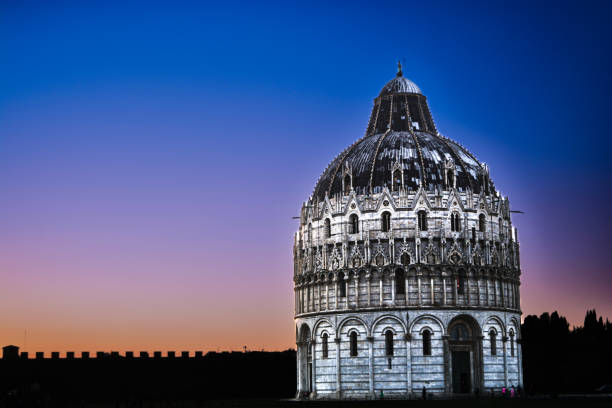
305,378
464,345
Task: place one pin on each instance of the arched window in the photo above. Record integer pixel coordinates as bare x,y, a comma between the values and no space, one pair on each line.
405,259
422,217
380,260
400,282
388,343
353,224
493,341
512,342
385,221
347,184
426,343
482,223
353,345
461,282
327,228
397,180
455,222
324,345
341,285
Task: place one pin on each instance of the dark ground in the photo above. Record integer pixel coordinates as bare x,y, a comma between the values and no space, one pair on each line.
483,403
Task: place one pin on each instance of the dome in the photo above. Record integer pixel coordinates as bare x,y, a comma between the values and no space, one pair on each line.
422,157
402,136
400,84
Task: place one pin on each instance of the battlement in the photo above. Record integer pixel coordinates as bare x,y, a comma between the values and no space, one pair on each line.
11,352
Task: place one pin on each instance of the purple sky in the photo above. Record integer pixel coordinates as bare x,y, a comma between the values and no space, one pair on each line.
151,158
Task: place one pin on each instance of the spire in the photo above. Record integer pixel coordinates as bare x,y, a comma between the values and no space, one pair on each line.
399,69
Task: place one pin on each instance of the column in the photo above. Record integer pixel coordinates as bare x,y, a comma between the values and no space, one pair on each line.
393,287
504,342
338,389
311,295
479,340
419,290
357,289
494,281
369,280
308,297
347,285
444,290
431,289
371,363
407,295
380,294
454,288
478,290
299,366
326,295
408,365
313,386
336,293
447,365
467,287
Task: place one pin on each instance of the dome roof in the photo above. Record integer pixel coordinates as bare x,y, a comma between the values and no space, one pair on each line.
400,84
421,157
401,135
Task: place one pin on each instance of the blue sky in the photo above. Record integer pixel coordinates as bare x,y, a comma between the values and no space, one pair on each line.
127,128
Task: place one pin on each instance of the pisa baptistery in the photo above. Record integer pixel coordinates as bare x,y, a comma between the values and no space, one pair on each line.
406,266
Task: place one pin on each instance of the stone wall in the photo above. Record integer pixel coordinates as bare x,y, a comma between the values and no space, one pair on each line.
407,370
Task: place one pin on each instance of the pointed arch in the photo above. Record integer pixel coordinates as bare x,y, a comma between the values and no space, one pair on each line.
385,221
422,220
347,184
397,180
353,224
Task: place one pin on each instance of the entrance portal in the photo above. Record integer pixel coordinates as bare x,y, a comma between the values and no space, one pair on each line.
461,372
464,344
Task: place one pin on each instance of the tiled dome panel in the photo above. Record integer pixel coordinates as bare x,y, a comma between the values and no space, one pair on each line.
429,157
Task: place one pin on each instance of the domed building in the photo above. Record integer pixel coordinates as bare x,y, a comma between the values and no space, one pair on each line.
406,266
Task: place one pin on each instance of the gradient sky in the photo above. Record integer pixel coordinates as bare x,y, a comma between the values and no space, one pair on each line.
152,156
